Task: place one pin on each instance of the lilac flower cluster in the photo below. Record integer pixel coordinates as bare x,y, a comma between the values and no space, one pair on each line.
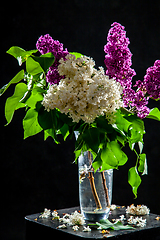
151,83
46,44
118,58
118,62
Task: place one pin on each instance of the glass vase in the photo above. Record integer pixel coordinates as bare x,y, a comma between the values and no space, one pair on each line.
95,189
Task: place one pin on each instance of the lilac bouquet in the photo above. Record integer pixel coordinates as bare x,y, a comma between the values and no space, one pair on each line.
62,92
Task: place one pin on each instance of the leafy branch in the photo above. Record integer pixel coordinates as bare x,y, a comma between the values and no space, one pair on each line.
29,92
105,141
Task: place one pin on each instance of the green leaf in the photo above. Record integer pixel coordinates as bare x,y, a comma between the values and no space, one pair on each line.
13,102
106,224
64,130
46,119
121,139
77,154
51,133
142,164
30,123
63,118
136,129
77,55
112,155
97,163
122,123
19,76
102,122
125,111
45,60
106,167
18,52
26,96
33,67
108,156
154,114
134,179
91,137
35,97
119,226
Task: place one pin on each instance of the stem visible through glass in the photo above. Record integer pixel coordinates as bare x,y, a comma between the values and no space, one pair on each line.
105,188
93,188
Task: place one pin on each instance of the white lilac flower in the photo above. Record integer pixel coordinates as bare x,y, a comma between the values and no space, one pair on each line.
85,92
46,213
138,221
131,220
141,222
75,228
112,207
77,218
66,219
73,219
99,228
120,219
86,229
139,210
62,226
55,215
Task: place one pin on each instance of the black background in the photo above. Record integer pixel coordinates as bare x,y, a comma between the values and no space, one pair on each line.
37,174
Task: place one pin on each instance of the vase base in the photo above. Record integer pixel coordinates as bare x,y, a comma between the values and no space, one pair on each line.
95,216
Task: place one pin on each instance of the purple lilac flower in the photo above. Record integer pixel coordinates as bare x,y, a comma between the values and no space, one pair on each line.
46,44
151,83
118,62
140,102
118,57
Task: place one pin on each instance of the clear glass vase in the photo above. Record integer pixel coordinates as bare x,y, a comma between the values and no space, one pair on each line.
95,189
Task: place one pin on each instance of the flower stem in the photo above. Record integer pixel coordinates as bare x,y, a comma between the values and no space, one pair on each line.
105,188
93,188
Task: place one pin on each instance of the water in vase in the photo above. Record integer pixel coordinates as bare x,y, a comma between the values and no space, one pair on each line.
95,192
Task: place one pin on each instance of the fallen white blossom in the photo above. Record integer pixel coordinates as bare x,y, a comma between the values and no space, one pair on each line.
73,219
55,215
138,221
75,228
86,229
139,210
62,226
77,218
46,213
99,228
66,219
112,207
120,219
